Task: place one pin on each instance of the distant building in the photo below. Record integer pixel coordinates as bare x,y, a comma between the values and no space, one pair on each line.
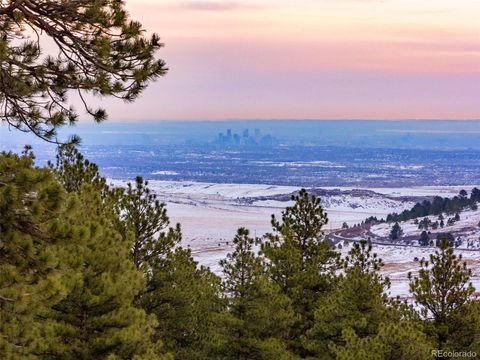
234,139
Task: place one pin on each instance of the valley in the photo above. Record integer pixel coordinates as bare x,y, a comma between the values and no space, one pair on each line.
211,213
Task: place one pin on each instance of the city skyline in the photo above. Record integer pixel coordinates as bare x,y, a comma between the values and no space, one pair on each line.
348,59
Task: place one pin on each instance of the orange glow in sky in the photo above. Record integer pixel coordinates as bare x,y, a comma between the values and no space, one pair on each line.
312,59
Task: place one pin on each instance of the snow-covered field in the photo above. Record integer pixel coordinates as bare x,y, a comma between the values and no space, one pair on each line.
210,214
400,260
466,229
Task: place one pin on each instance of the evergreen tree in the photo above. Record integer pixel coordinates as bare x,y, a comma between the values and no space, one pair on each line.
72,295
394,341
259,314
464,328
396,232
98,50
358,302
424,239
300,261
31,202
185,299
445,236
98,319
475,195
73,170
442,290
146,219
183,296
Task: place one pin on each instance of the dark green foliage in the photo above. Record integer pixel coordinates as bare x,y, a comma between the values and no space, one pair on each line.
146,218
450,221
396,232
73,170
424,239
464,328
475,195
67,285
438,206
98,318
447,236
300,261
394,341
99,50
443,291
185,299
31,202
358,303
372,220
425,223
259,315
182,296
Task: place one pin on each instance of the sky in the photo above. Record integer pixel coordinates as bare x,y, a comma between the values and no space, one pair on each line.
311,59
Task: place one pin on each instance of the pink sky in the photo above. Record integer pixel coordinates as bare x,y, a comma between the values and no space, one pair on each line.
311,59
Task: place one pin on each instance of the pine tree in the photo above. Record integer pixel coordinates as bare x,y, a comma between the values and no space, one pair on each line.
358,303
185,299
146,218
182,296
424,239
72,294
31,202
394,341
259,315
442,290
396,232
475,195
99,319
73,170
300,261
98,50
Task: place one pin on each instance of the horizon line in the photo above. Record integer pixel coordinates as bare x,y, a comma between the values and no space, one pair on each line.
271,119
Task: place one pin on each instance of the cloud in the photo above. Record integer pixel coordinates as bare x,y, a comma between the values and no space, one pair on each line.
213,5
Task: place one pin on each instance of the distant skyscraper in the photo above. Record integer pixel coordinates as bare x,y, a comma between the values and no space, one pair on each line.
257,133
245,133
229,133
